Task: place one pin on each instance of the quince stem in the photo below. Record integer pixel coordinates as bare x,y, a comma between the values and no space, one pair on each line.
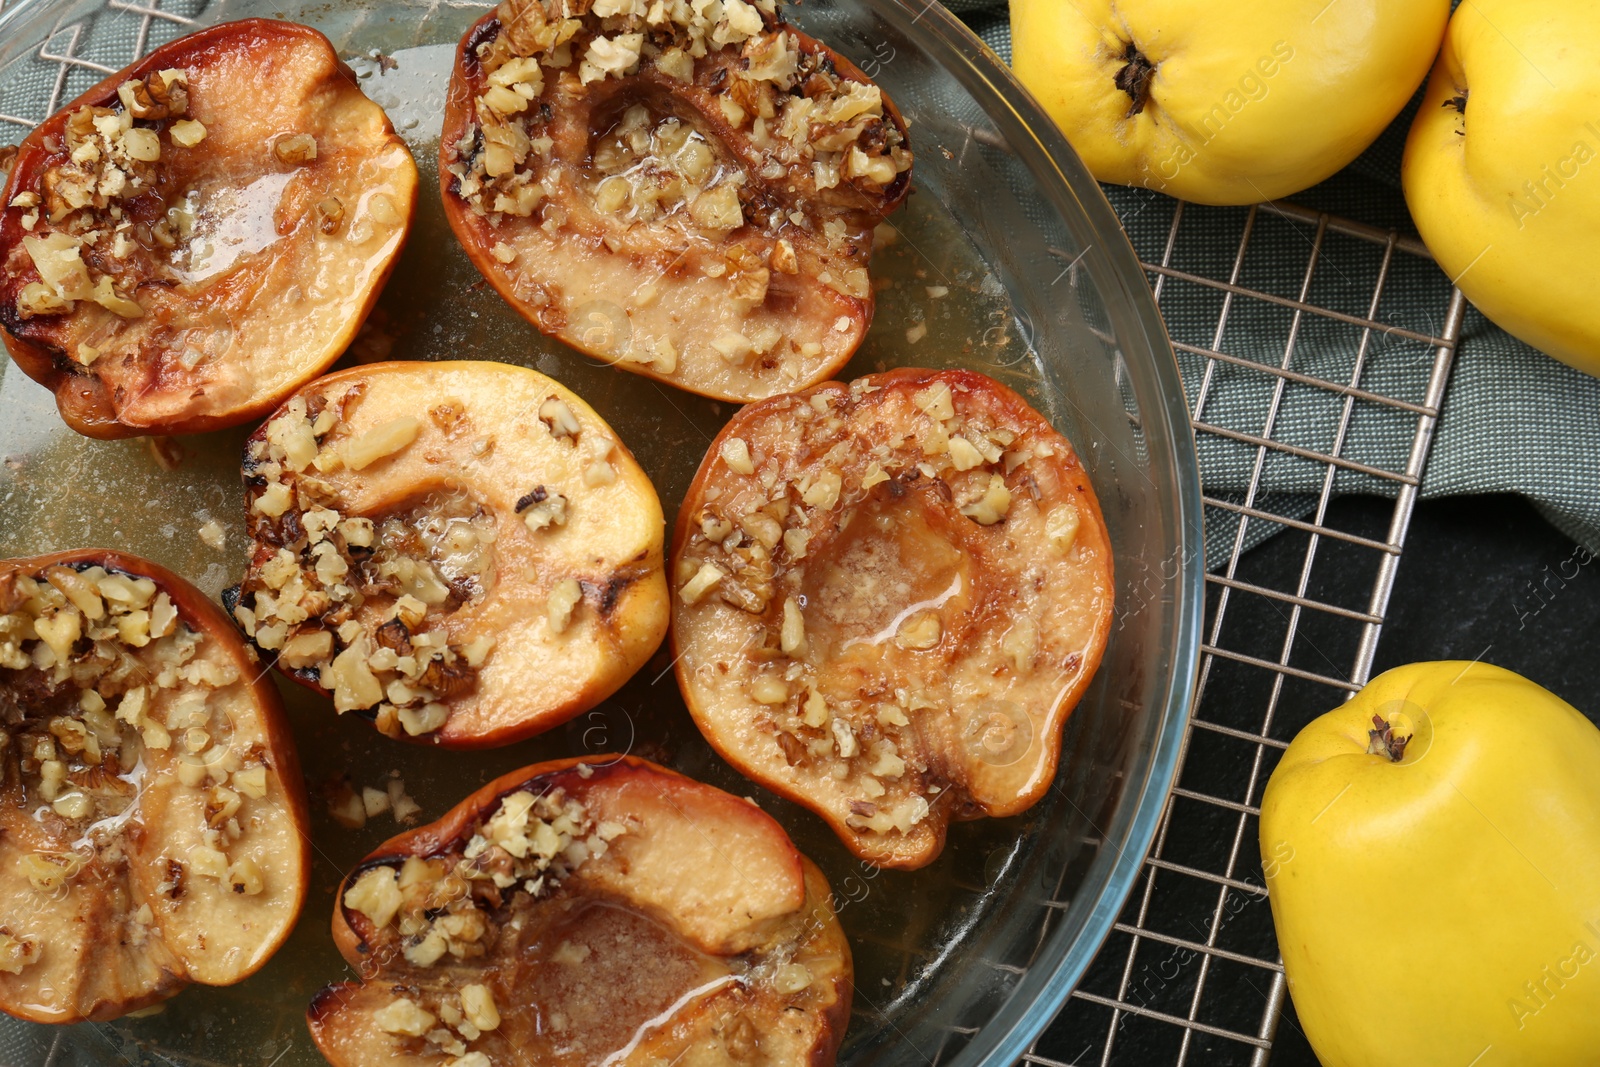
1381,740
1134,78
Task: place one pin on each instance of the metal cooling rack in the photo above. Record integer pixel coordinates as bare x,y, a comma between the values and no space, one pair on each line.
60,48
1190,973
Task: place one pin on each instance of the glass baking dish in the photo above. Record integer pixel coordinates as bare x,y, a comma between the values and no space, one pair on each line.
1007,260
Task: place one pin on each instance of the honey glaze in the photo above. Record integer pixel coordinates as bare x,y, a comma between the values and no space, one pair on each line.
218,224
598,983
891,576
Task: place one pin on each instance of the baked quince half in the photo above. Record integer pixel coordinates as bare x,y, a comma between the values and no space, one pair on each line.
463,552
890,596
192,239
686,190
585,912
152,815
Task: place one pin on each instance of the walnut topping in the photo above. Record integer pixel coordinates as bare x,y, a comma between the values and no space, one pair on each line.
556,415
381,442
330,215
542,508
564,600
803,112
357,601
402,1016
460,904
440,906
17,953
889,554
936,402
1061,526
295,149
992,506
187,133
920,632
477,1004
901,817
104,669
645,169
212,534
769,689
736,454
107,160
704,579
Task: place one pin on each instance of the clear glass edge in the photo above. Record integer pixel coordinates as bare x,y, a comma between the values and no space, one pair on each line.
1045,151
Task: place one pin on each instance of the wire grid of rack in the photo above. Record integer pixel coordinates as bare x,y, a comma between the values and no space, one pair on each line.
1198,916
61,47
1191,974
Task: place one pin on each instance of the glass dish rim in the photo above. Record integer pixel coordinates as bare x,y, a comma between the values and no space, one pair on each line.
1062,960
1044,150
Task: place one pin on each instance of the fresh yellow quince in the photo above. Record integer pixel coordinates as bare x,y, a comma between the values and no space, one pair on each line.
1500,170
1435,873
1226,103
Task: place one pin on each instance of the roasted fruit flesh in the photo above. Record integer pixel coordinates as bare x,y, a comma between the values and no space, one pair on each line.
686,190
889,596
198,234
578,913
464,552
152,829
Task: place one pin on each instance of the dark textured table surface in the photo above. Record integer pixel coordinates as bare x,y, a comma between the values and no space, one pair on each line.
1483,577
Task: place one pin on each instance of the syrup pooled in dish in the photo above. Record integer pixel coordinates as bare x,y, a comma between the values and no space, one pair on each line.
578,913
199,234
685,189
889,596
153,824
464,552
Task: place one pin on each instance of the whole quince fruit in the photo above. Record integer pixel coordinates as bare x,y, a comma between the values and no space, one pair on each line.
1497,169
1223,103
1433,857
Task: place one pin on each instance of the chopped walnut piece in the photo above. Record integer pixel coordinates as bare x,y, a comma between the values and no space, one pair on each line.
736,454
188,133
212,535
704,579
381,442
564,600
17,953
330,215
542,509
295,149
993,505
555,414
1061,526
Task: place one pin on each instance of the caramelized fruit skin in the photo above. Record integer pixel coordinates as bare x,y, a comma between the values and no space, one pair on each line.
272,289
452,515
706,884
661,297
97,961
888,597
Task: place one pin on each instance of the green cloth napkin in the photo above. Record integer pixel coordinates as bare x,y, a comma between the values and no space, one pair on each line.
1514,420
